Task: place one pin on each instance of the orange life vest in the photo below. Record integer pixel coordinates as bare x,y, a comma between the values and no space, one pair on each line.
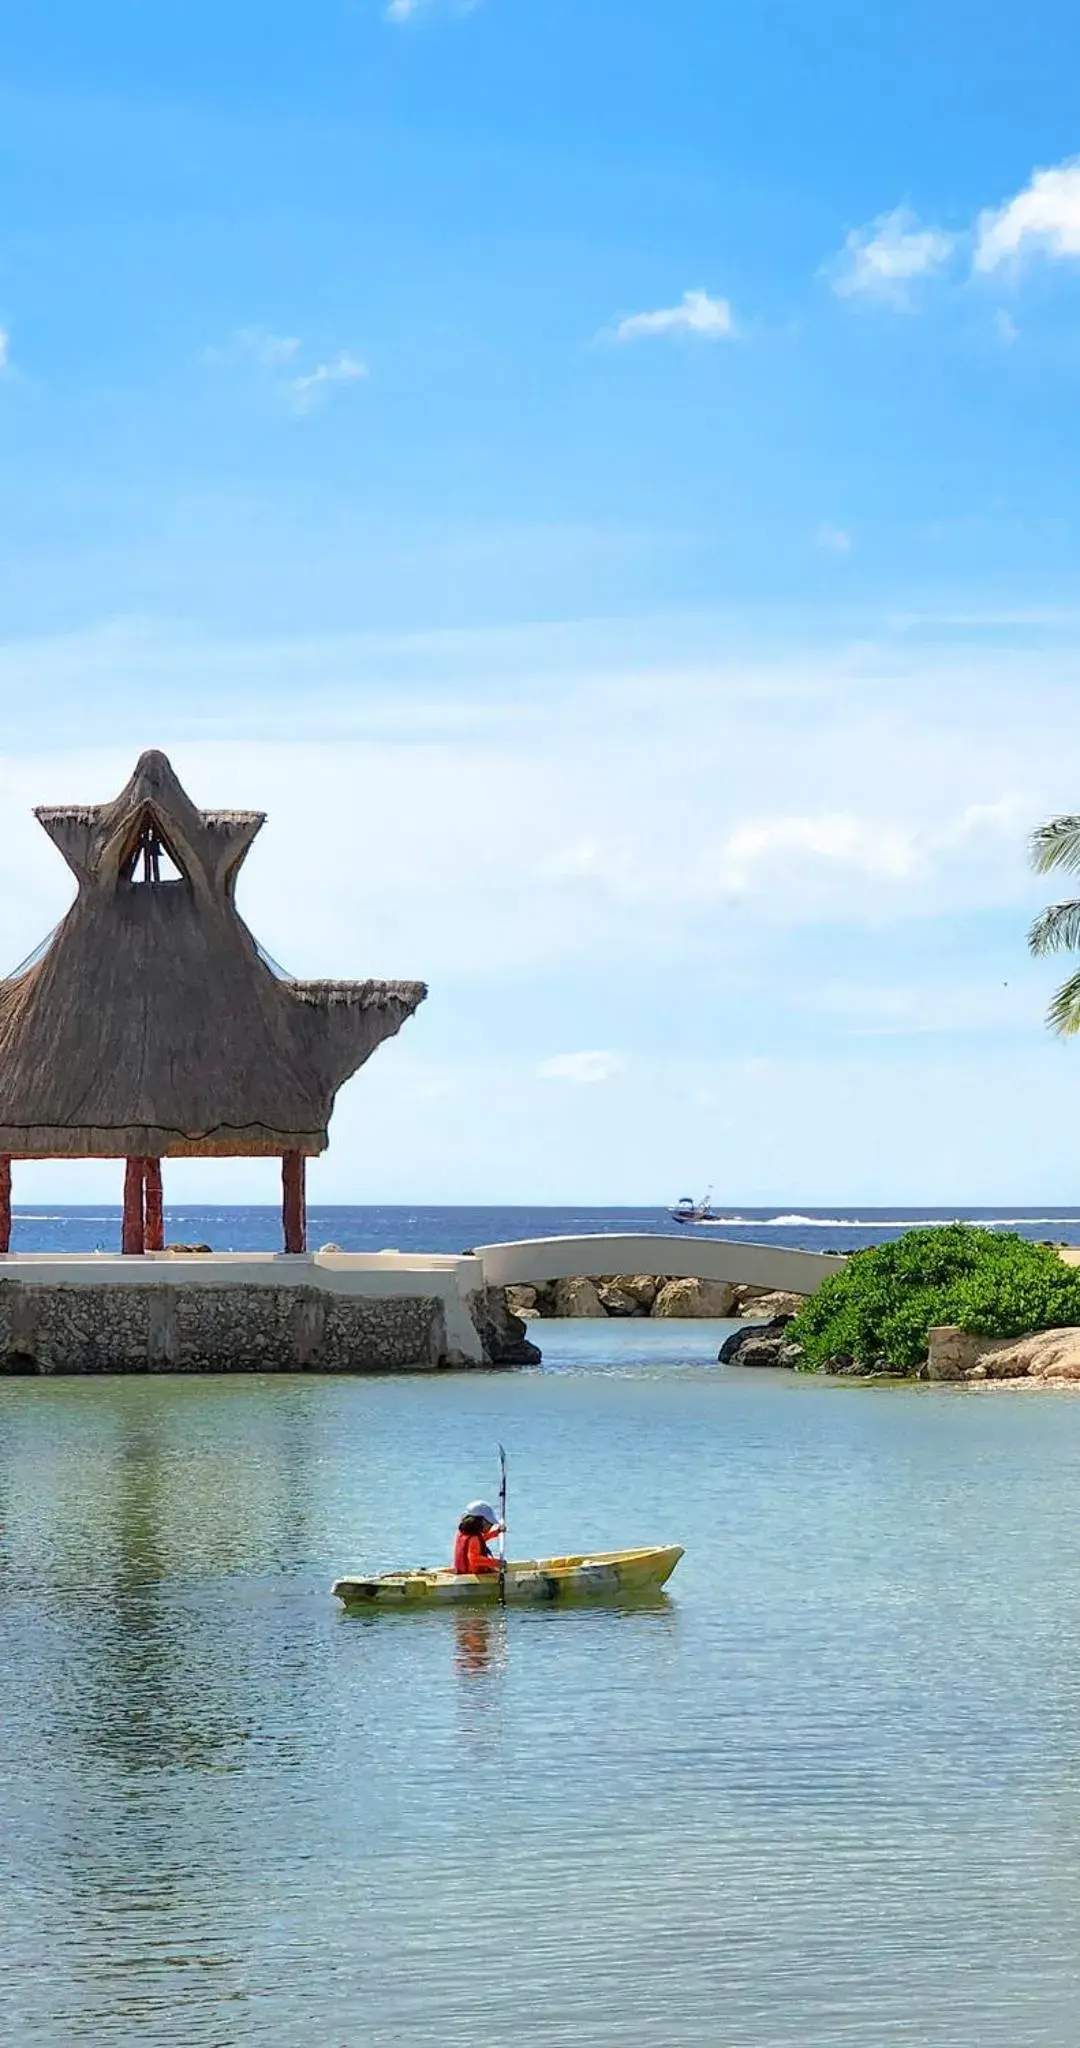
471,1554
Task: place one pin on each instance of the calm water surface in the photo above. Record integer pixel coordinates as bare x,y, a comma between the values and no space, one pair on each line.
827,1793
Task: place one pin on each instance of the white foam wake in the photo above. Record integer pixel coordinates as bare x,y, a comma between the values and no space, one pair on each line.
795,1220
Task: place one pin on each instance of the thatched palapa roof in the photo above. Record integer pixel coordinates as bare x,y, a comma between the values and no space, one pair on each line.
151,1024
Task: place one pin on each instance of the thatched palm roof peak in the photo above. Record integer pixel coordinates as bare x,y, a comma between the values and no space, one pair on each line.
96,839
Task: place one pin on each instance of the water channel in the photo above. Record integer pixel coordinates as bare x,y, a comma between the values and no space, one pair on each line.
826,1795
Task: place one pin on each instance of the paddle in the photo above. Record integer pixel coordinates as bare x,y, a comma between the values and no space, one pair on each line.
502,1518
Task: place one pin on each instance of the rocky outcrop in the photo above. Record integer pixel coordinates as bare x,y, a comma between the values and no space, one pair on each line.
764,1344
501,1332
955,1354
578,1297
697,1298
646,1294
522,1301
616,1300
643,1288
763,1303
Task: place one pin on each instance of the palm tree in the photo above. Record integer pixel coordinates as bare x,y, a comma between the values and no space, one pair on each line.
1057,928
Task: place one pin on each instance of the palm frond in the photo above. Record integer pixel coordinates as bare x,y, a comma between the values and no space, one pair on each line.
1063,1016
1056,929
1056,845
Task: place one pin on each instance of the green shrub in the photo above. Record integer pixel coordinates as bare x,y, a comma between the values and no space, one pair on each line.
879,1309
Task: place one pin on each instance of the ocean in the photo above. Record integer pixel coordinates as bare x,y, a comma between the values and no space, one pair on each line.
368,1228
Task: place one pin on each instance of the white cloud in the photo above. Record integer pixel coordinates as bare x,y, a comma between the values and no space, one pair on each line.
873,847
885,258
697,314
834,539
5,349
272,355
1044,218
1005,327
305,391
582,1068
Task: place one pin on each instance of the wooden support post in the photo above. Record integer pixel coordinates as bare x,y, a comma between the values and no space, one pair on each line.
294,1201
133,1238
155,1213
5,1203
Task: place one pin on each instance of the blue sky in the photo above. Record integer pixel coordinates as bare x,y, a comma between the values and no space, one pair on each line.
604,480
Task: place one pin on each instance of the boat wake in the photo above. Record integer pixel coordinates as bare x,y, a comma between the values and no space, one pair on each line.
986,1221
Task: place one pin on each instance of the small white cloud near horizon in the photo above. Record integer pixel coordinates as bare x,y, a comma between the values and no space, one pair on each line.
1044,219
696,314
886,257
582,1068
833,539
305,391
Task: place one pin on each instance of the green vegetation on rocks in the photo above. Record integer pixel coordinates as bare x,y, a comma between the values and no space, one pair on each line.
876,1313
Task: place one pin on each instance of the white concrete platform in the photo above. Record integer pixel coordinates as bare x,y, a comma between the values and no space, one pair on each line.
380,1276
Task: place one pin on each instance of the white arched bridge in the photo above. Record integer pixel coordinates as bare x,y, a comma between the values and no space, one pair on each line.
532,1261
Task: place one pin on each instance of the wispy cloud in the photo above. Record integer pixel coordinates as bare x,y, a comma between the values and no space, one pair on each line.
696,314
581,1068
408,10
306,391
834,539
255,345
884,259
5,349
1044,218
273,356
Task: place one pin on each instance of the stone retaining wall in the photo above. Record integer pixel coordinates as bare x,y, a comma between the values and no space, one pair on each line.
134,1328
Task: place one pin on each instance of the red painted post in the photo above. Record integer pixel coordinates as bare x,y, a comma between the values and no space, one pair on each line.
5,1203
133,1239
294,1201
155,1212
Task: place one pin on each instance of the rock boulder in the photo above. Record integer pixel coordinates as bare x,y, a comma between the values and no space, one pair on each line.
502,1333
761,1344
1044,1355
617,1300
577,1297
642,1288
695,1298
768,1305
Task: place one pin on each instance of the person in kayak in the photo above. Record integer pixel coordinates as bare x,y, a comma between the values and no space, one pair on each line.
474,1532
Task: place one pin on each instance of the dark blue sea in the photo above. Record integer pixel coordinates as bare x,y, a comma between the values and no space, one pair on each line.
363,1228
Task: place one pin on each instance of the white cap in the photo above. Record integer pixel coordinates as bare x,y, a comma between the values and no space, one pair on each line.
483,1509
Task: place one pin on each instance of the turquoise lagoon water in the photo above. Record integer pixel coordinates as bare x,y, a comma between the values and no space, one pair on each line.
828,1793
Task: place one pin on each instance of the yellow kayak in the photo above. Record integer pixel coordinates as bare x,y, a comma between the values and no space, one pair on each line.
605,1575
